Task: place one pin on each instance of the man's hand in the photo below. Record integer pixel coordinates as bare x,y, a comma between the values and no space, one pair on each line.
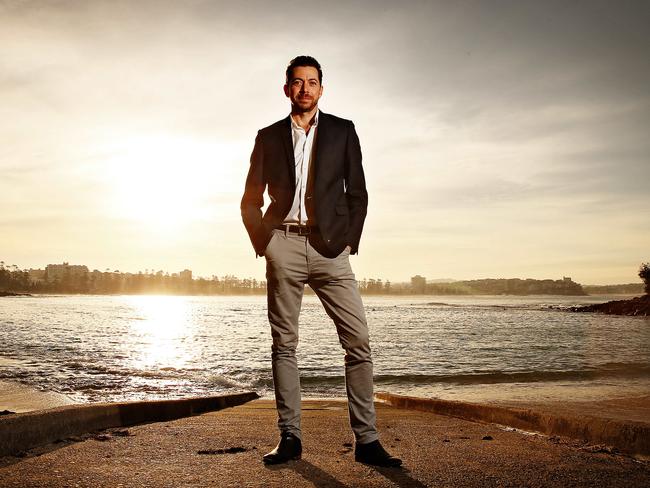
348,248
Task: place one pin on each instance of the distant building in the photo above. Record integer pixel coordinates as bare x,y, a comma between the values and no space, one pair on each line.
418,284
59,271
185,275
36,275
567,279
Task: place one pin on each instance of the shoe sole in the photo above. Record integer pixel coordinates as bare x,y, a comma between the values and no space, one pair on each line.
294,458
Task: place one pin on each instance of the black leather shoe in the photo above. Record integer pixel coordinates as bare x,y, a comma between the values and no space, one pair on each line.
373,453
287,449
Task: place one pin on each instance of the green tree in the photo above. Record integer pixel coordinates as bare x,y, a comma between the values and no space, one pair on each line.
644,274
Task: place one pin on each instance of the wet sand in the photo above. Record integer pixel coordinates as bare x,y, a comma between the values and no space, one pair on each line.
601,402
634,408
541,392
19,398
224,448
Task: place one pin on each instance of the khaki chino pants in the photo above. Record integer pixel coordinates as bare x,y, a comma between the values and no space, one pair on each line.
291,262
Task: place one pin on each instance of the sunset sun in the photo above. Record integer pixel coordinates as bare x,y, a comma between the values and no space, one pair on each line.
165,183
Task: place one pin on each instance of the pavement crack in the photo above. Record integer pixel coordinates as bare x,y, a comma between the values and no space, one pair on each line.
227,450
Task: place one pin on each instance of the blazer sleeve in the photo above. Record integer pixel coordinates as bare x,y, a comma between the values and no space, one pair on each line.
355,183
253,199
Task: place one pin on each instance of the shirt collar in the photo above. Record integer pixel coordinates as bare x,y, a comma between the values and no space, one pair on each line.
295,126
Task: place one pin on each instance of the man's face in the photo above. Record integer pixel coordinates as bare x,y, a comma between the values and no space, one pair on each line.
304,90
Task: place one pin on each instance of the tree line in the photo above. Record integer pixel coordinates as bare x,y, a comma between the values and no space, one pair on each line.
71,281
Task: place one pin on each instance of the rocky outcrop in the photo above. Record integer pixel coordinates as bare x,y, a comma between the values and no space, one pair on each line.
639,306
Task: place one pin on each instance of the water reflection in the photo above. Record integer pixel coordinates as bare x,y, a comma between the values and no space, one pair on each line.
162,331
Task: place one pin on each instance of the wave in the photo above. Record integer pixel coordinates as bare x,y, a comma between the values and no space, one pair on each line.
501,306
228,382
262,378
610,370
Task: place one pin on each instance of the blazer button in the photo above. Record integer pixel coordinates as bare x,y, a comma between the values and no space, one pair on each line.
329,240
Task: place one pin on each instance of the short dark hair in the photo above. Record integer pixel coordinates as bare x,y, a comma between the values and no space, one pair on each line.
303,61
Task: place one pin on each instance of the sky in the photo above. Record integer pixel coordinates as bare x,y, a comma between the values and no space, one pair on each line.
500,139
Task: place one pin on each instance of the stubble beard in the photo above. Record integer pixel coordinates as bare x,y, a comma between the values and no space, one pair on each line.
313,103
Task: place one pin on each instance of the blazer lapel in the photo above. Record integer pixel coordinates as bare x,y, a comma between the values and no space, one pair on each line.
322,140
288,147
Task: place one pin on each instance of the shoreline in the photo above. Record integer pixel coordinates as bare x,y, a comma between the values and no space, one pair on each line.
19,398
368,295
622,408
621,403
638,306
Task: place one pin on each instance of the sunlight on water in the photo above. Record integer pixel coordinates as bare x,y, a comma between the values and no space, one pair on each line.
161,331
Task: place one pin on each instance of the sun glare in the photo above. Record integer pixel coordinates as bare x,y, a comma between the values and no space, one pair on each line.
163,327
167,182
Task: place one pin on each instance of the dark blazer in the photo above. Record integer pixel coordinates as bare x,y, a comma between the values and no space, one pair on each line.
340,199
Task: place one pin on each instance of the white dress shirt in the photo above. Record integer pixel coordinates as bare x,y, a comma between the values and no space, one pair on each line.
303,146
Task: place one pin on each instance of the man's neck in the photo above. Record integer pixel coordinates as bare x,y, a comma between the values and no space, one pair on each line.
304,119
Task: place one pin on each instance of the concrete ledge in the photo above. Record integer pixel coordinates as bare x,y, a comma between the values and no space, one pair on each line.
628,436
22,431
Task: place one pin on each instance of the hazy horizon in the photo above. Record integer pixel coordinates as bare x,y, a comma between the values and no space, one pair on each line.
500,140
430,280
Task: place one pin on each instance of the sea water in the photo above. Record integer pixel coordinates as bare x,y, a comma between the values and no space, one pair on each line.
109,348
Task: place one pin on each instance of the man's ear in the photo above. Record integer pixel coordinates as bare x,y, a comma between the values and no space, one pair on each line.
286,91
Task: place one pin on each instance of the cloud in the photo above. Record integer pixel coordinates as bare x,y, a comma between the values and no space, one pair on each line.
474,117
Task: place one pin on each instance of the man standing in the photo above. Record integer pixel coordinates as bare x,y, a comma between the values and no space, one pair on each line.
310,162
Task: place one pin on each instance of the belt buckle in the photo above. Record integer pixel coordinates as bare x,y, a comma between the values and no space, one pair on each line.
303,230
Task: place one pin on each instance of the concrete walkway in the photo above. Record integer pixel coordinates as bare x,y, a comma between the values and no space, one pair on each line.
25,431
225,448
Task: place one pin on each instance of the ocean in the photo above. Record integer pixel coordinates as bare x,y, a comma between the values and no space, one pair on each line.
112,348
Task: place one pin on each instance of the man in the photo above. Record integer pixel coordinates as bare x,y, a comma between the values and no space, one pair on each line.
310,162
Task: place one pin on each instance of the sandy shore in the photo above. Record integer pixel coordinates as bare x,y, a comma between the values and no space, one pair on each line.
19,398
224,448
634,408
554,392
632,404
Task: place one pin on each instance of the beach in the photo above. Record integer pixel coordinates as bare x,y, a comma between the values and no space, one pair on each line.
623,408
19,398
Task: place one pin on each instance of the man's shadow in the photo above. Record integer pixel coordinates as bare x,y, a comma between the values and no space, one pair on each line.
311,473
322,479
400,477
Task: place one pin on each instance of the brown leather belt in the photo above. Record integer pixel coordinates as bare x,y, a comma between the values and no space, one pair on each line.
302,230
